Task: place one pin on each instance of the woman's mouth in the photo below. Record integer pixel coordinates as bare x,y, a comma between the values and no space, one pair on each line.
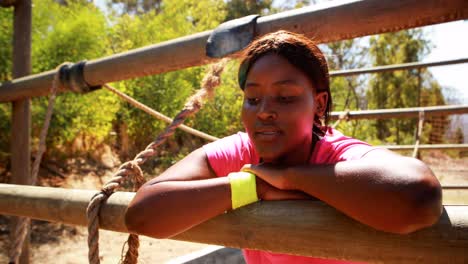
267,135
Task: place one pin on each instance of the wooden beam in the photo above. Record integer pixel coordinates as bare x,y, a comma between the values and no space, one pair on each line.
455,195
331,21
295,227
396,67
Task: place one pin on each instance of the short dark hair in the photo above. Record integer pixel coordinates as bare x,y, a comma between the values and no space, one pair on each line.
299,50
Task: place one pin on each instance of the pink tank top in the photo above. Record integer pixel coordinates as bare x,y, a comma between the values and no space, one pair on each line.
229,154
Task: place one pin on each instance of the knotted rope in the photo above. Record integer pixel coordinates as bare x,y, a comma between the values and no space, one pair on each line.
343,116
209,83
23,223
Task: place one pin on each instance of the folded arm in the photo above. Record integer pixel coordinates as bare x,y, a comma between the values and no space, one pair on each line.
384,190
185,195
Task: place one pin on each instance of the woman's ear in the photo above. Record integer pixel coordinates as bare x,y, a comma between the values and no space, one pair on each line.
321,100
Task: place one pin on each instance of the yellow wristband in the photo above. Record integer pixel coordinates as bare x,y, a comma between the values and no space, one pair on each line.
243,189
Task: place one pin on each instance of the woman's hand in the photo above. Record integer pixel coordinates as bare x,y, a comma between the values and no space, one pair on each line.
265,191
274,175
270,183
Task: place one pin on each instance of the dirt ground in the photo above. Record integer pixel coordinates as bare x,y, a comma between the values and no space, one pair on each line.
54,242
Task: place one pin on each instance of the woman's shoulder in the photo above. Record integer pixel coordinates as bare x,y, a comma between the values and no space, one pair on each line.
230,144
230,153
335,147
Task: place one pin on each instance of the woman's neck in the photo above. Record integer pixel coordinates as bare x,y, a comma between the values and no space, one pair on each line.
299,154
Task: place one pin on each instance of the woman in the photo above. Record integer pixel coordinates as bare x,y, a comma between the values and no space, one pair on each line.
285,81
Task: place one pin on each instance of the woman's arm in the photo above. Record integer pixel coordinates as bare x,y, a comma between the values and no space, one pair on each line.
384,190
185,195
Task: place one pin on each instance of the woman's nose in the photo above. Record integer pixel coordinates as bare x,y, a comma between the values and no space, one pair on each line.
266,110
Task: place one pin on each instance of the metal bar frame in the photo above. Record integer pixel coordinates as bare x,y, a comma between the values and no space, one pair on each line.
397,67
427,147
401,112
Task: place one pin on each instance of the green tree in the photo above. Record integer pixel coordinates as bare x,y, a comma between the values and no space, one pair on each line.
239,8
459,136
136,7
400,88
348,92
71,32
6,42
166,92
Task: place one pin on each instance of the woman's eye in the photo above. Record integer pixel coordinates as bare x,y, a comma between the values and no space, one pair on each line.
286,99
253,100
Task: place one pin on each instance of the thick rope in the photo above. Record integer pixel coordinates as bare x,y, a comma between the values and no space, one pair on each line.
418,133
194,103
343,116
23,223
157,114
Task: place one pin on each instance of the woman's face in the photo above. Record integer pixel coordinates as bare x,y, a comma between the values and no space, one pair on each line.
278,110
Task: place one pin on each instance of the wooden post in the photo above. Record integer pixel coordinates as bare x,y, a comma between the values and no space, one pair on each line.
21,115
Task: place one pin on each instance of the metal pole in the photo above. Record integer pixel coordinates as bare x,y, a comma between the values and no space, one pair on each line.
21,116
428,147
308,228
396,67
324,23
402,112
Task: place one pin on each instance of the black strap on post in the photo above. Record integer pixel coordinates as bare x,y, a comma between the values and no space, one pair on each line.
231,36
72,77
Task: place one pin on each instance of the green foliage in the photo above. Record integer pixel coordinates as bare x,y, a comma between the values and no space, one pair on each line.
71,32
77,30
240,8
67,33
221,116
167,92
349,92
6,43
459,136
400,88
135,6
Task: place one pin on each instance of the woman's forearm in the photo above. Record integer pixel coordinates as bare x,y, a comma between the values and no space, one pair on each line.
399,197
165,209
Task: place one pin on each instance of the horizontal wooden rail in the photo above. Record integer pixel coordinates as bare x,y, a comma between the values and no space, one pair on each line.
455,187
428,147
455,194
396,67
295,227
402,112
324,23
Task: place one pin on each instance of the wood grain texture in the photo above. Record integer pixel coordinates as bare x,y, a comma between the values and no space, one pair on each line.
294,227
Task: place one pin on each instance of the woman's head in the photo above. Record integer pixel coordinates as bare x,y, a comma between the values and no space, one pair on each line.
285,81
300,51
